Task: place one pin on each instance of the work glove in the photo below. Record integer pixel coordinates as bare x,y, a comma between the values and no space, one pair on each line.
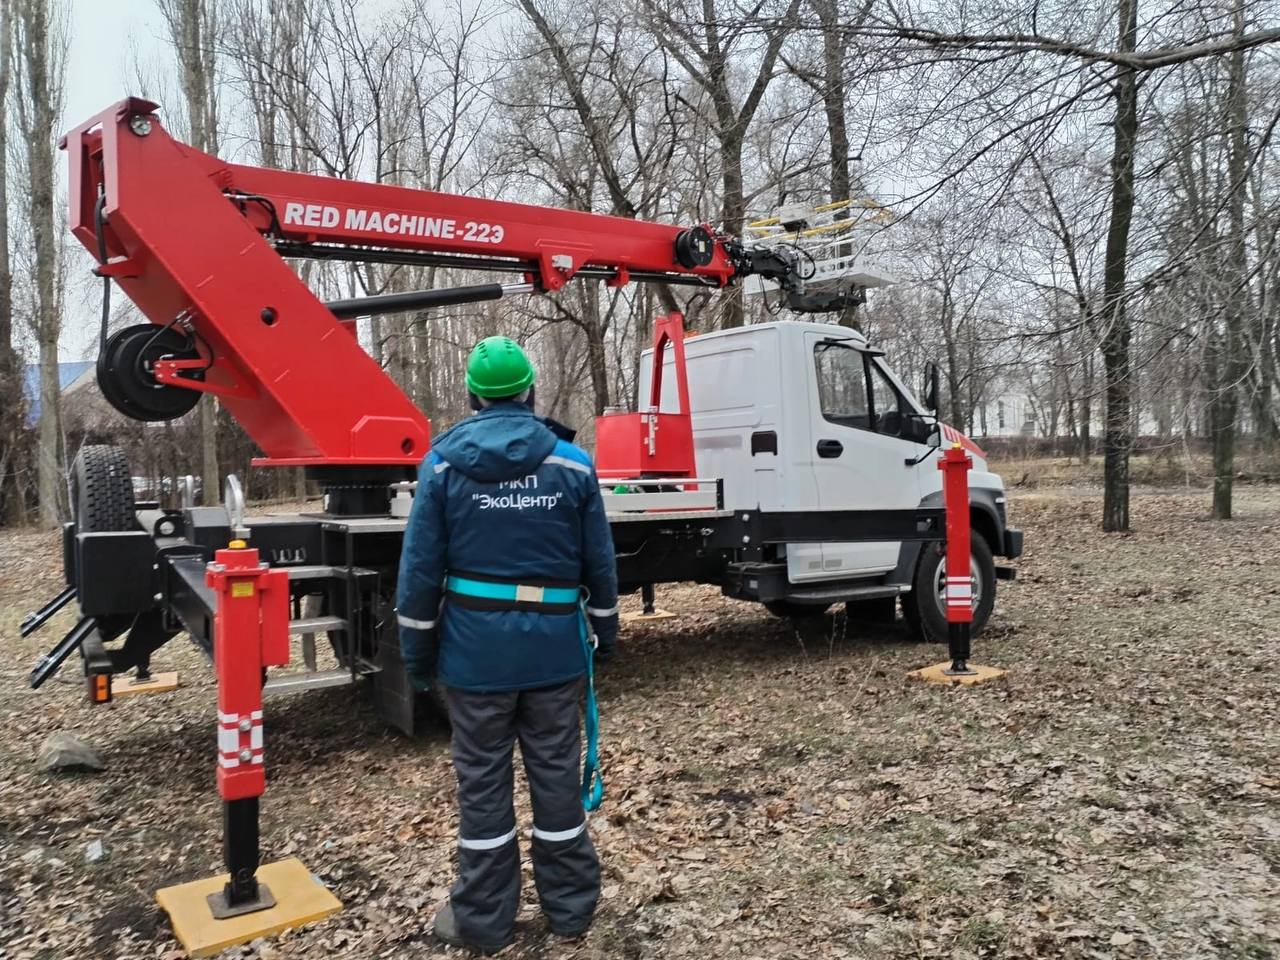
420,682
419,650
606,645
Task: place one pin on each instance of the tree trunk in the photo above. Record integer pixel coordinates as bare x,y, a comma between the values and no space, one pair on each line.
40,88
598,361
1116,363
1086,412
733,214
12,409
833,102
192,28
1224,407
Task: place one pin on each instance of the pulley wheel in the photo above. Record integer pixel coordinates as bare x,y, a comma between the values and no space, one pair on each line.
125,377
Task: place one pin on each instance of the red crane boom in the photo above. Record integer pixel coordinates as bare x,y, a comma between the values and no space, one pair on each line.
199,245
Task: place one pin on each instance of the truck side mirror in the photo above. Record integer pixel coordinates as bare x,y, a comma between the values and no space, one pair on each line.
931,387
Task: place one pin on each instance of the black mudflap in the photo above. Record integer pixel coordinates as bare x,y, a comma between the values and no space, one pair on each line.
397,703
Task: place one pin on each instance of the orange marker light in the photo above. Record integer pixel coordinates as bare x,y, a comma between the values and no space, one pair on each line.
100,688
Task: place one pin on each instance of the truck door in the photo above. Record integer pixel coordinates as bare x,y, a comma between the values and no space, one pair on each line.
860,444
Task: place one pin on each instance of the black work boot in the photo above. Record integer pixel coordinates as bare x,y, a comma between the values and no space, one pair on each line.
569,934
446,930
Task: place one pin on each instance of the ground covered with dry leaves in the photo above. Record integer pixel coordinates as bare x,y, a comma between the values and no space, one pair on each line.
770,793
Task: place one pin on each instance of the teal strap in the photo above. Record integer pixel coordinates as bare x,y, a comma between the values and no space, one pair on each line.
592,781
510,592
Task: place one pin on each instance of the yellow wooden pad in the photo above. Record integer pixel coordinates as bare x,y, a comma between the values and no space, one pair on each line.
159,683
936,674
300,899
642,617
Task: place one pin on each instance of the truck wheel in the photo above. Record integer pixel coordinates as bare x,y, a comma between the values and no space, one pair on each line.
102,490
923,607
788,610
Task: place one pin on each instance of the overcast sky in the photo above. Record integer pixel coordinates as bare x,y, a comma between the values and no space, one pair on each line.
103,35
107,36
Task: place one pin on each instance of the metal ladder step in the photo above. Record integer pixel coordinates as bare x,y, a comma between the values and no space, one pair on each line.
308,680
314,625
311,572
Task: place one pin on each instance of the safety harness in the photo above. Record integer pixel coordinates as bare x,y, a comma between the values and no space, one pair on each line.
477,592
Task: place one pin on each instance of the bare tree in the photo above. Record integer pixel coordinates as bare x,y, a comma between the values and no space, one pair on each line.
12,407
39,44
1232,365
1115,333
621,75
711,48
835,27
193,29
1033,104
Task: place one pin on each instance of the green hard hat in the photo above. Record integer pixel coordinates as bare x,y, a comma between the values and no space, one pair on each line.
498,367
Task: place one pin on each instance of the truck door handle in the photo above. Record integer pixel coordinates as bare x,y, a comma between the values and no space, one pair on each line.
827,449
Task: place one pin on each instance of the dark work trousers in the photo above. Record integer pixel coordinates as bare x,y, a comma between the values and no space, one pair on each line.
566,870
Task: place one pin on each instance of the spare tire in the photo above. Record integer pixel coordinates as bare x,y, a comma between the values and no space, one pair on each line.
102,490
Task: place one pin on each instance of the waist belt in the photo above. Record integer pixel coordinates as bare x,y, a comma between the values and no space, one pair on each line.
482,594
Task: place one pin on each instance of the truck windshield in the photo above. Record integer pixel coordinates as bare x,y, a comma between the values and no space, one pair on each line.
887,404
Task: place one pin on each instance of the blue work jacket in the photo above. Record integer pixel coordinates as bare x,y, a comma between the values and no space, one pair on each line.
500,497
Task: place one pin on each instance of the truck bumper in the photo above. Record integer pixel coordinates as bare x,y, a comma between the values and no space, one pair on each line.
1012,544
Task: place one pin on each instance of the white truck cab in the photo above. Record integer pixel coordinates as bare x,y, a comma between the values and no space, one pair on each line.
798,417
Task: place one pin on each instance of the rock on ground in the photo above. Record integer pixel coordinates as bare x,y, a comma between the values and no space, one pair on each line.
64,753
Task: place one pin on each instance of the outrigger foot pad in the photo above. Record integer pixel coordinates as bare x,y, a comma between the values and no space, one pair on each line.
943,673
640,617
155,683
298,899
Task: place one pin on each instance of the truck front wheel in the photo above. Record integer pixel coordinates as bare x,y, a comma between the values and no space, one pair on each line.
923,607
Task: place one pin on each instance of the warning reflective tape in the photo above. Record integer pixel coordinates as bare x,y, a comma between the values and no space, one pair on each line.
414,624
597,612
491,844
957,590
228,761
566,462
228,740
255,737
228,717
558,836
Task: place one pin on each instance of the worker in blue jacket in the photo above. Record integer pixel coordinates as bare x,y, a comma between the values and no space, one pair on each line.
507,533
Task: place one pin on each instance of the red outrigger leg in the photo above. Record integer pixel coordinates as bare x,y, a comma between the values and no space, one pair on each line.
250,633
955,464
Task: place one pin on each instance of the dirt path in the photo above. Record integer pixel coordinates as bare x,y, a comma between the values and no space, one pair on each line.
770,793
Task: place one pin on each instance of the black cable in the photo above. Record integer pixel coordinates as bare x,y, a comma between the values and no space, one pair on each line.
99,226
813,264
265,202
189,332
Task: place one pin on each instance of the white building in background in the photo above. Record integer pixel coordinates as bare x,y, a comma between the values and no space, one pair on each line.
1013,413
1010,414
